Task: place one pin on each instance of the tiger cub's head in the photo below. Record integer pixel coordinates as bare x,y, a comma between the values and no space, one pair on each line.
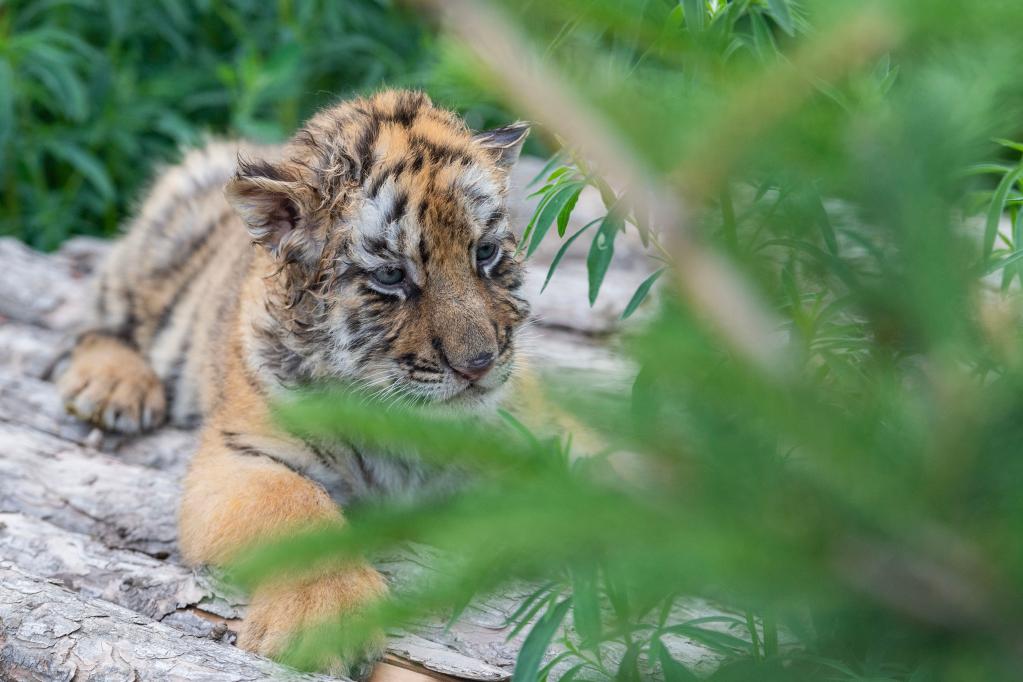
394,268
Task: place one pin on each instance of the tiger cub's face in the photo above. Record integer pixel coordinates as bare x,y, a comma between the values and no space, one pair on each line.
396,267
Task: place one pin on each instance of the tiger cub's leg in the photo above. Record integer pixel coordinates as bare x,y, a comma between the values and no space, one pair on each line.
235,496
110,384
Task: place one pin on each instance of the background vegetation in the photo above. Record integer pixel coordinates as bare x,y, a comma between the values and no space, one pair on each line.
94,94
824,435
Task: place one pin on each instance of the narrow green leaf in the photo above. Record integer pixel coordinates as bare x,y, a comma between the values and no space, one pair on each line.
528,662
601,251
994,214
528,232
1018,146
987,168
641,293
673,670
528,602
779,10
551,163
719,641
628,669
6,102
550,210
564,249
824,222
585,603
86,164
571,673
997,265
527,617
566,211
695,12
763,41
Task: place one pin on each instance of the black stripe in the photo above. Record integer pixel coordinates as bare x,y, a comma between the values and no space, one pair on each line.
424,250
249,451
364,147
395,171
367,474
186,256
495,218
321,456
397,211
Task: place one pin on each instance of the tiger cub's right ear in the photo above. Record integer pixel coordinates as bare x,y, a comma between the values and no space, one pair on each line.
271,201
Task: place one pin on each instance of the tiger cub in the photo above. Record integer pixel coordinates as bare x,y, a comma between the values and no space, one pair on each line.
374,248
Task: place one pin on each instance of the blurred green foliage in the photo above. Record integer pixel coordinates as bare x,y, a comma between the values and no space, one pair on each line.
863,500
95,94
856,508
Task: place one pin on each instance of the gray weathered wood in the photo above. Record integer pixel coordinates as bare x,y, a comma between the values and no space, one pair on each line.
137,581
123,505
48,632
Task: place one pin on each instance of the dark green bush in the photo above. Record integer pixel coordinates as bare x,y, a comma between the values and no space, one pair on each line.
95,94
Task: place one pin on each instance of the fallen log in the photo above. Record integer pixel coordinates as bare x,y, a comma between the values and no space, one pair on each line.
48,632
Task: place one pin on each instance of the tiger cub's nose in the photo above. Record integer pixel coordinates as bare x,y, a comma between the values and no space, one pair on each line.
475,368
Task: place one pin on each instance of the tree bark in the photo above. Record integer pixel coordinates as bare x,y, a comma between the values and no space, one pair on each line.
48,632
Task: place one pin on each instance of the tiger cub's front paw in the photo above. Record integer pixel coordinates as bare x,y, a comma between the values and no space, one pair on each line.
283,617
111,385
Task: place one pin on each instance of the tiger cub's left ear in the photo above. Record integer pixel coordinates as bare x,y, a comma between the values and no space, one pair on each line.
504,143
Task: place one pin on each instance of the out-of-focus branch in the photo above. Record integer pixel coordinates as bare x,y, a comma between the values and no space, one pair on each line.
709,283
712,286
758,105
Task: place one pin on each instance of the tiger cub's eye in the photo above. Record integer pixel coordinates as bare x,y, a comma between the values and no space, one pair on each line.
485,252
389,276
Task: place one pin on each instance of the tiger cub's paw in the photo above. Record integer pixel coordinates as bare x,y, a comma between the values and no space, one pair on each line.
109,384
282,619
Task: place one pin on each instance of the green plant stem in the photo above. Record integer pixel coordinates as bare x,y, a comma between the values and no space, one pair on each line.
770,636
751,624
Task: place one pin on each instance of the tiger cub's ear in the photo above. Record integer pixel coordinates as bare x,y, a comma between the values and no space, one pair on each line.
271,200
504,144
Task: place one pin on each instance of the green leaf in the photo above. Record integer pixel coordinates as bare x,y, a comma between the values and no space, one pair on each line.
551,162
528,232
994,213
601,251
1018,146
549,211
585,603
673,670
571,673
695,12
763,41
719,641
528,602
6,102
564,249
779,10
641,293
566,212
86,164
987,168
997,265
528,662
824,221
628,669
